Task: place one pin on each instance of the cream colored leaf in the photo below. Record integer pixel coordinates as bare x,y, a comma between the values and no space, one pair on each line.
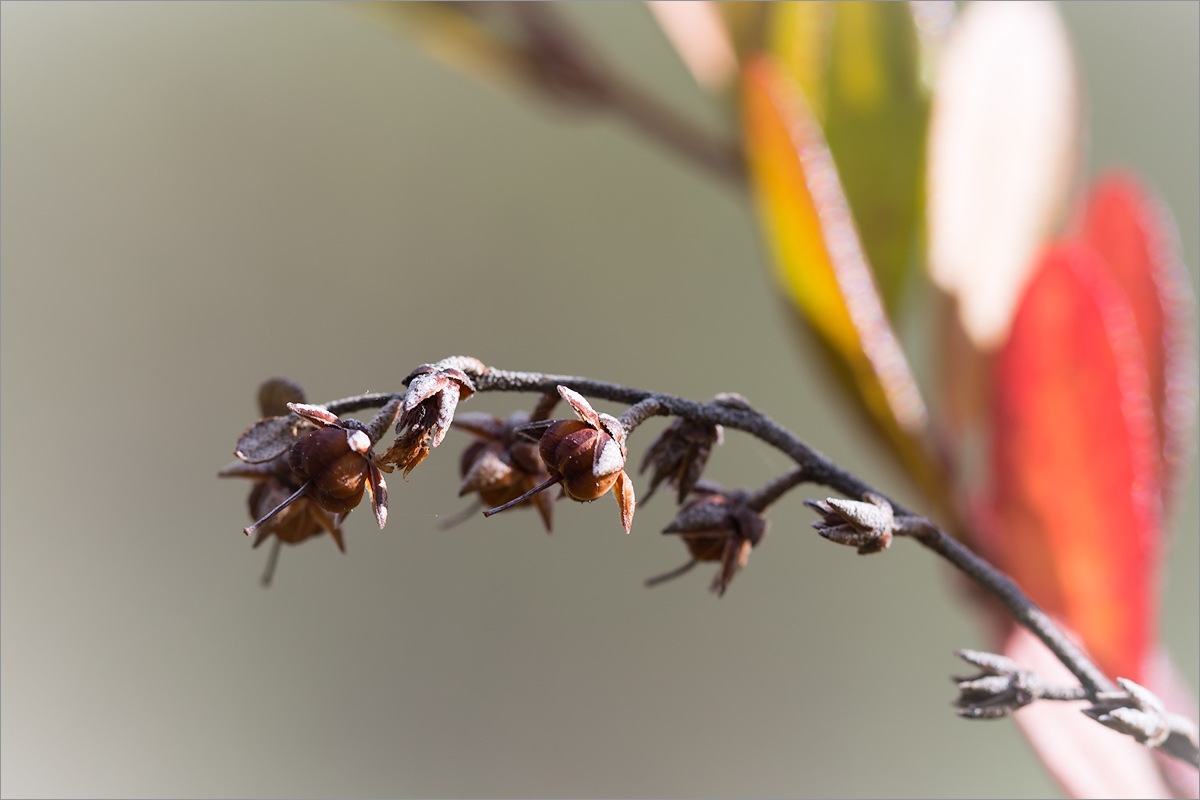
1004,150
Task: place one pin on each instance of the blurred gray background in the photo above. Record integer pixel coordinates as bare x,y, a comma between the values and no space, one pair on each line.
198,196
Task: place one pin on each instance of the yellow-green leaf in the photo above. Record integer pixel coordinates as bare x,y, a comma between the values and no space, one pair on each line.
800,36
818,259
859,66
875,120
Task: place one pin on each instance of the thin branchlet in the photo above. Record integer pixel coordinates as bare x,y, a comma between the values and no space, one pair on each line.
765,497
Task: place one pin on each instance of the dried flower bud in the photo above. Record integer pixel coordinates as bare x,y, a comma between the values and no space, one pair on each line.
586,455
1135,712
426,413
717,527
865,525
679,455
1000,688
500,467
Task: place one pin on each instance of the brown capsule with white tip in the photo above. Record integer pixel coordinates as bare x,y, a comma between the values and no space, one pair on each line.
587,456
336,466
334,460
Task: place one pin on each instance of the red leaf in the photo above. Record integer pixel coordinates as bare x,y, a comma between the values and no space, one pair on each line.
1076,483
1135,234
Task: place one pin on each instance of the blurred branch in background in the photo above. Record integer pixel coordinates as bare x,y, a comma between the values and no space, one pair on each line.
533,47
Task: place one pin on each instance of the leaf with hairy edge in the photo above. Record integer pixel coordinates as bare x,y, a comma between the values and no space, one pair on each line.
1004,150
1075,472
818,259
876,109
1136,235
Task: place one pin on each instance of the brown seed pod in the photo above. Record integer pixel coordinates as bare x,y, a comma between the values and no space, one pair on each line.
335,465
332,458
499,467
586,455
589,460
280,502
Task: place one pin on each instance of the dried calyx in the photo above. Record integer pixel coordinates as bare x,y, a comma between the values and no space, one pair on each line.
500,466
866,525
426,413
721,526
1000,688
679,455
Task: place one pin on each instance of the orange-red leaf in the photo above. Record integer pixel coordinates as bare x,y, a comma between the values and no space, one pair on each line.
817,254
1075,482
1135,234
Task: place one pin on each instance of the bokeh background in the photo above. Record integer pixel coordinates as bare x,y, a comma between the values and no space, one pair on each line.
194,197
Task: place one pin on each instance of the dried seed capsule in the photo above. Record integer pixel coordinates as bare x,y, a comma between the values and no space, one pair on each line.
589,460
332,458
586,455
716,527
499,467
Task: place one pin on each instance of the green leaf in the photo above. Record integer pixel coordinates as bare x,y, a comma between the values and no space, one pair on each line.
819,261
875,121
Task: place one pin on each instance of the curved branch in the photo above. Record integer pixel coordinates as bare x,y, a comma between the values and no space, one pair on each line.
812,467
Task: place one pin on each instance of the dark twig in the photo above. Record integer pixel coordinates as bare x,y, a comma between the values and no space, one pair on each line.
762,499
1004,589
1002,687
889,518
359,402
640,412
